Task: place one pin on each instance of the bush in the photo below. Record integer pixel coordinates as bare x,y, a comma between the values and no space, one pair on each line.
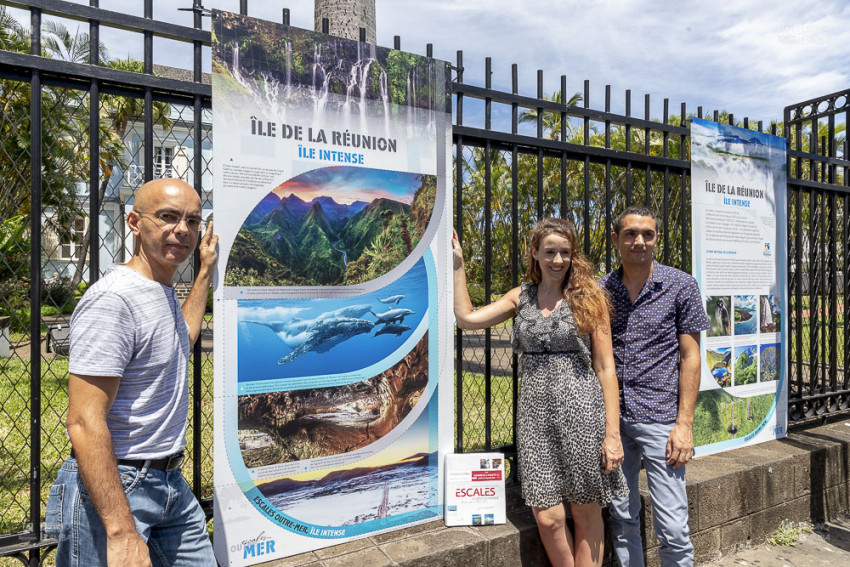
81,289
20,320
210,301
57,291
14,301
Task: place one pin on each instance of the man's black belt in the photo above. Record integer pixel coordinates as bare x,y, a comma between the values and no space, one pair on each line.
168,463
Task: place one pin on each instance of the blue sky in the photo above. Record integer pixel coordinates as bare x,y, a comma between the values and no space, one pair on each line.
750,57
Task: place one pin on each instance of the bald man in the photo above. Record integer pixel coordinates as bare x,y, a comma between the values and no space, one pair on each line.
120,499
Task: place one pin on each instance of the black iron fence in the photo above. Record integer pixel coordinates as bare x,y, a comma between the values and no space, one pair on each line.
818,233
79,133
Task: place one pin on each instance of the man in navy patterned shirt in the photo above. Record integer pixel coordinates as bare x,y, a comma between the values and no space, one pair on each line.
658,315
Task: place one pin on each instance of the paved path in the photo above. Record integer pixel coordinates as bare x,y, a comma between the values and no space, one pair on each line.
829,545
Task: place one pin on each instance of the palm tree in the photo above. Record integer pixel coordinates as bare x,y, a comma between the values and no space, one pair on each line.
552,120
63,158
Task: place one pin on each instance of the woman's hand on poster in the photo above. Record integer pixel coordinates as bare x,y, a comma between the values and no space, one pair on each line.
457,251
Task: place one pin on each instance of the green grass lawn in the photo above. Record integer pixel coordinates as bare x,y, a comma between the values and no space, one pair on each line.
15,436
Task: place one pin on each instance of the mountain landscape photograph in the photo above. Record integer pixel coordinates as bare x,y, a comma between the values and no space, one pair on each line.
332,226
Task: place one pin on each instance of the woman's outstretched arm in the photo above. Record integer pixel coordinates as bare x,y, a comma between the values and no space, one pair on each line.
468,318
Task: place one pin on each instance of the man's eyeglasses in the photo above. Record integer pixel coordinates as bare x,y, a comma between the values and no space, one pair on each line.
169,220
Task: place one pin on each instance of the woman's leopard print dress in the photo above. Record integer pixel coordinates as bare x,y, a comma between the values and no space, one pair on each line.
561,414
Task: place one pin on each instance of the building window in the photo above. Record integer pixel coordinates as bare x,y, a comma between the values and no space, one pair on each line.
162,158
72,250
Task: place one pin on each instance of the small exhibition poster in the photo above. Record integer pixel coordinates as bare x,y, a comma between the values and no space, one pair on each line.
739,260
333,326
475,489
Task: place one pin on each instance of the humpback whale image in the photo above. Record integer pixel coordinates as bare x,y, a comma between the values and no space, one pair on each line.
392,299
295,331
329,333
391,316
392,328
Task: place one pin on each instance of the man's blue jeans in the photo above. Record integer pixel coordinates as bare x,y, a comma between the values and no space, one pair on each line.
667,493
166,512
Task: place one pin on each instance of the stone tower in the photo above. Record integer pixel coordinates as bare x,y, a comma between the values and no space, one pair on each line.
347,17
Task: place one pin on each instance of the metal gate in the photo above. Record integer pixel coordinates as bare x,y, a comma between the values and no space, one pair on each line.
818,233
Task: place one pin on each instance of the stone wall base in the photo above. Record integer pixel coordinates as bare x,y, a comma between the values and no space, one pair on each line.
736,499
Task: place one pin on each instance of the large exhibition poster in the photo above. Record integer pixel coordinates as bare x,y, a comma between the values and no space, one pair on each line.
332,321
739,260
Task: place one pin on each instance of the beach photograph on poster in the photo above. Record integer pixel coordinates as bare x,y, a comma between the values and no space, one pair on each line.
332,226
296,425
399,479
770,362
745,314
302,337
720,416
280,68
746,365
719,361
718,308
770,314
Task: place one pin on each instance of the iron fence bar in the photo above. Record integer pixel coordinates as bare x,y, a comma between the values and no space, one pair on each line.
628,148
488,262
148,103
554,148
814,290
198,174
846,277
685,239
831,148
515,248
117,20
846,248
819,186
586,132
458,139
35,280
831,276
665,207
798,257
94,150
830,160
539,149
563,137
647,133
503,97
821,396
607,180
78,75
832,271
